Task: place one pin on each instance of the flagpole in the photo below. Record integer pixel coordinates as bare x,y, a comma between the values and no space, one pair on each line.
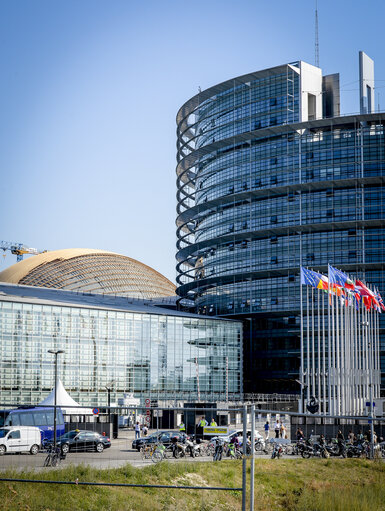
302,375
331,349
338,353
353,357
357,363
346,358
323,354
378,355
349,356
319,349
308,346
313,365
362,357
370,371
366,330
342,358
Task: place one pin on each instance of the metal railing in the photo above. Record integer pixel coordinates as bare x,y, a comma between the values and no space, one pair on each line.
162,418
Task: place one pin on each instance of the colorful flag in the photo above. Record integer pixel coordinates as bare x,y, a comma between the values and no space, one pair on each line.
379,299
338,278
313,278
367,296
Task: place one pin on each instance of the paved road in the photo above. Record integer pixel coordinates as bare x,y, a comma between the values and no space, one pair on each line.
116,456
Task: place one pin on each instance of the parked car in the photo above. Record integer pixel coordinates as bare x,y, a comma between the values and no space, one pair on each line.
83,440
20,439
159,436
239,432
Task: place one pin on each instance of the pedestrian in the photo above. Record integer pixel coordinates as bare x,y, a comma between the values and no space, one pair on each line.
282,430
182,427
351,437
145,430
213,423
277,428
267,427
300,435
137,430
340,435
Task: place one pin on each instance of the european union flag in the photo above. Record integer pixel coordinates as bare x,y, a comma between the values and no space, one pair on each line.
309,277
339,278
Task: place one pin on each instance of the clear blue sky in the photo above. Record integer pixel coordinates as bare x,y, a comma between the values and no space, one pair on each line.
90,89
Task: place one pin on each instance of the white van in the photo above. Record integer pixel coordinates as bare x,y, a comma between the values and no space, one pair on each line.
20,439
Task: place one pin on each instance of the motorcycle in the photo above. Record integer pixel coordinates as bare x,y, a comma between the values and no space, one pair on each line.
357,450
320,450
277,451
193,447
305,449
337,449
219,448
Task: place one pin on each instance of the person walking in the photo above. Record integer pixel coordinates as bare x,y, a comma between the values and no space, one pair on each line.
267,427
282,430
277,428
137,430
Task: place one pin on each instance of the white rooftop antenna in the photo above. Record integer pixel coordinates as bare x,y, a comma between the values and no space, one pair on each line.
316,35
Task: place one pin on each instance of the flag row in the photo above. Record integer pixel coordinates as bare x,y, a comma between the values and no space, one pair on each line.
349,290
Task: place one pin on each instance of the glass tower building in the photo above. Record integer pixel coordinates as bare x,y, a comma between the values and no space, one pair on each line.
271,177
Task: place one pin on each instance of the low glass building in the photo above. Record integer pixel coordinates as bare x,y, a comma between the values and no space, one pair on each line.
146,350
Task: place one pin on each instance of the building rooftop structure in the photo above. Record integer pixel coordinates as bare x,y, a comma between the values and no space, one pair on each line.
91,271
57,297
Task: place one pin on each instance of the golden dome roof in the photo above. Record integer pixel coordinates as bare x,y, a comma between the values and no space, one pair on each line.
89,271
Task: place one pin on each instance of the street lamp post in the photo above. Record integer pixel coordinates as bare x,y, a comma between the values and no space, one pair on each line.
56,353
109,387
303,389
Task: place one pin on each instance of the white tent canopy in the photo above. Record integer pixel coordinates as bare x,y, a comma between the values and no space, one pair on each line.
65,401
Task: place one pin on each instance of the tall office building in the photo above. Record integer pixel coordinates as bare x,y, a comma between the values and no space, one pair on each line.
271,177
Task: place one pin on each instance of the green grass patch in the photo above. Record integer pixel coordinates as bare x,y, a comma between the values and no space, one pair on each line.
287,484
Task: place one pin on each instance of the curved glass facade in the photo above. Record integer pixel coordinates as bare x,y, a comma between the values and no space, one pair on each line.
262,192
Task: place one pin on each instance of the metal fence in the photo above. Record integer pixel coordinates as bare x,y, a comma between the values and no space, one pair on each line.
116,425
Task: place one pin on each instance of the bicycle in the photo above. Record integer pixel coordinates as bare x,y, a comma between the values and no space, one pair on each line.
158,454
147,451
54,456
208,449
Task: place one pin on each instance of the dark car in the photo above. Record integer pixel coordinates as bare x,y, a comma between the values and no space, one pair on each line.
75,441
159,436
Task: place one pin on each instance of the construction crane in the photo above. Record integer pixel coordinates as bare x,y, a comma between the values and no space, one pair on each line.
19,249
